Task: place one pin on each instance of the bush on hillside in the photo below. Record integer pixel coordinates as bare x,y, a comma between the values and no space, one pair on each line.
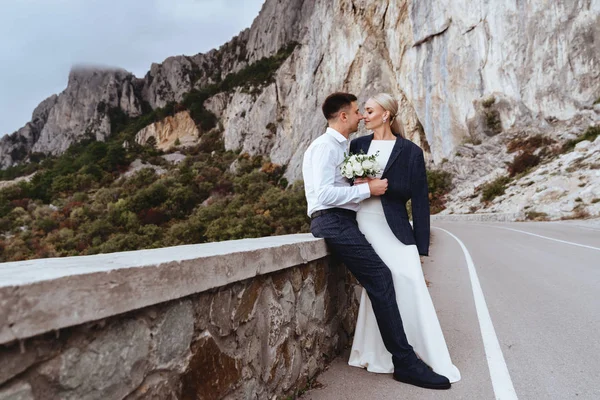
522,163
591,133
494,188
79,203
528,144
439,183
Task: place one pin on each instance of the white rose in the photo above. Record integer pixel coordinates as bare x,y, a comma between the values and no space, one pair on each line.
359,171
346,172
367,164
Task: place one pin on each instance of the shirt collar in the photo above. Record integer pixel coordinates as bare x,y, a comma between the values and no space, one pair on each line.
338,136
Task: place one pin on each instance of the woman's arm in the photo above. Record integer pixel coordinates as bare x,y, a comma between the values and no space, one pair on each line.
420,203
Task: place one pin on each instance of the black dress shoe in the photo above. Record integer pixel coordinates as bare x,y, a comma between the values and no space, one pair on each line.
420,374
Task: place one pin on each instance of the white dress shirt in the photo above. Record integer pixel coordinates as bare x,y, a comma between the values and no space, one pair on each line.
324,185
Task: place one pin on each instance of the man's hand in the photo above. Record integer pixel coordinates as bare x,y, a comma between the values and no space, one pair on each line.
378,186
358,181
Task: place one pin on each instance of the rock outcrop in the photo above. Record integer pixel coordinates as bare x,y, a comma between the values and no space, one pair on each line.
82,110
564,186
15,147
166,132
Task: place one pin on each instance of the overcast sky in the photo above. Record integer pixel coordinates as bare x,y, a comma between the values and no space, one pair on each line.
41,39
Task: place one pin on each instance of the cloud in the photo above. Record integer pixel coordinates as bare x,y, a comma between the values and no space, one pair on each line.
41,39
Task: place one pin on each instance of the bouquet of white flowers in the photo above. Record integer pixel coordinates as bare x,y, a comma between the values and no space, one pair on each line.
360,166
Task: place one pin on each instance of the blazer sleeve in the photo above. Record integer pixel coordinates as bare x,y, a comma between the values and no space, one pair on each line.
420,203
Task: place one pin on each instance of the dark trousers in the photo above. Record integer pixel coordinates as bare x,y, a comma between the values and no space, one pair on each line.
346,242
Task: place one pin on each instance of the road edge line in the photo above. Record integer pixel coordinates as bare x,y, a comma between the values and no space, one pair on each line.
501,381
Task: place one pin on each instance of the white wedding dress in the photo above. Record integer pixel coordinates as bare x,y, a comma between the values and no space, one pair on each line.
414,302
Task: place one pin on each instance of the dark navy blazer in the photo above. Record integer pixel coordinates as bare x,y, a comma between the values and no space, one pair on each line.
407,179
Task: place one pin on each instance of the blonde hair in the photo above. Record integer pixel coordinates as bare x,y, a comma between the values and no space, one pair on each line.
390,105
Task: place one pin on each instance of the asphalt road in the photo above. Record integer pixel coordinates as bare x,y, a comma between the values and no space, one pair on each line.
532,332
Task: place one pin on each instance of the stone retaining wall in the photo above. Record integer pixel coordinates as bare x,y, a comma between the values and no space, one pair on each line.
262,337
482,217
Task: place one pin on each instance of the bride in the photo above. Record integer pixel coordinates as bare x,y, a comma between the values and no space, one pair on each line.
384,222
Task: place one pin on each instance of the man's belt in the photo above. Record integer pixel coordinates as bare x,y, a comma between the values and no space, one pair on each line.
350,213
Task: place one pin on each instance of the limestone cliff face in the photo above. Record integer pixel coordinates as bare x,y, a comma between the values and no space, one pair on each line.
166,132
539,60
14,147
463,70
82,109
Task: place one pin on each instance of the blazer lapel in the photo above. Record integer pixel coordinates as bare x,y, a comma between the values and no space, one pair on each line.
365,144
398,146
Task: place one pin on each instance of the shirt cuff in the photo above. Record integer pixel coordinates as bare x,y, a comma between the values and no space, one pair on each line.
364,191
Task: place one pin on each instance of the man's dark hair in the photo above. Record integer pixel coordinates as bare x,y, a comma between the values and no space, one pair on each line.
335,102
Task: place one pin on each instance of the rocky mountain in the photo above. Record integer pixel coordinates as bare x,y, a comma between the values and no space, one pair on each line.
464,71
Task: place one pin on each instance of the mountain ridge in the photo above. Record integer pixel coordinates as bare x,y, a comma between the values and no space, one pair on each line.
462,71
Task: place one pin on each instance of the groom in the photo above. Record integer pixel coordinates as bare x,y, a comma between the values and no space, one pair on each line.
332,207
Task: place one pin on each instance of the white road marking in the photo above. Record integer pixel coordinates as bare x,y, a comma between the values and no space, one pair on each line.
546,237
591,228
501,381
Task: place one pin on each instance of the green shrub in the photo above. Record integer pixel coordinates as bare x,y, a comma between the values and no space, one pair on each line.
271,127
522,163
39,187
439,183
528,144
16,171
260,73
488,102
492,121
151,142
591,133
579,212
494,188
191,230
118,119
122,242
115,157
140,179
98,230
247,164
146,198
212,141
181,200
536,216
46,225
206,119
64,183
